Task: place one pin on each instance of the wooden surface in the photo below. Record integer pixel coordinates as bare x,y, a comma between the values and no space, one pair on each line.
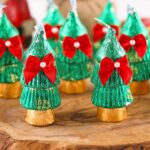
76,127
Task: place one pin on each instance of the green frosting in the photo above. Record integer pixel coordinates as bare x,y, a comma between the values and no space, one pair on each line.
109,17
134,26
10,66
114,94
54,17
79,67
40,93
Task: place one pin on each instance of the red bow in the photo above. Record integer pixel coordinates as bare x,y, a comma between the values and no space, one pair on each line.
107,67
138,42
70,46
99,31
52,31
34,65
14,46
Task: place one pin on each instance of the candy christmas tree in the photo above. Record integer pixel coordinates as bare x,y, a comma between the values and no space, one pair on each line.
40,79
111,76
19,15
10,58
75,52
53,21
134,39
99,31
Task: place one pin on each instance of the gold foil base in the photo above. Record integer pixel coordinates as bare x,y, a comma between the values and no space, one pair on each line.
40,118
139,88
11,90
73,87
111,115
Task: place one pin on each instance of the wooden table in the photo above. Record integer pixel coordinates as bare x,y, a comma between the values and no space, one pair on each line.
76,127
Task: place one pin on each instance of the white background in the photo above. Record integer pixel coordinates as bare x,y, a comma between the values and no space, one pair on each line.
38,8
142,6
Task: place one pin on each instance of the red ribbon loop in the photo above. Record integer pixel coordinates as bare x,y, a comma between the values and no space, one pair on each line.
34,65
99,31
108,66
14,46
52,31
138,42
71,45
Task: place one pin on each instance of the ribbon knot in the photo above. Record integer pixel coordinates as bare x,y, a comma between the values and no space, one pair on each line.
108,66
99,31
34,65
14,46
71,45
138,42
52,31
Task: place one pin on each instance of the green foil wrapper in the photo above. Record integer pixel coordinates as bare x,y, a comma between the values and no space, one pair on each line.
10,66
108,16
141,69
114,94
53,17
40,93
79,67
40,99
110,47
7,29
39,47
134,26
40,81
10,73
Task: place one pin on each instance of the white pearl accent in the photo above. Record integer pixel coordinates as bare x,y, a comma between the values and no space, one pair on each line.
117,65
54,30
7,43
132,42
42,64
105,29
76,44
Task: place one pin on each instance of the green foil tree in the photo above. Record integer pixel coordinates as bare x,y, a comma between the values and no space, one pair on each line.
10,51
115,92
40,92
77,67
138,50
53,21
109,17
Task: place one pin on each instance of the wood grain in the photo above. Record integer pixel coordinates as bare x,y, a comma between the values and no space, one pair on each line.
76,127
